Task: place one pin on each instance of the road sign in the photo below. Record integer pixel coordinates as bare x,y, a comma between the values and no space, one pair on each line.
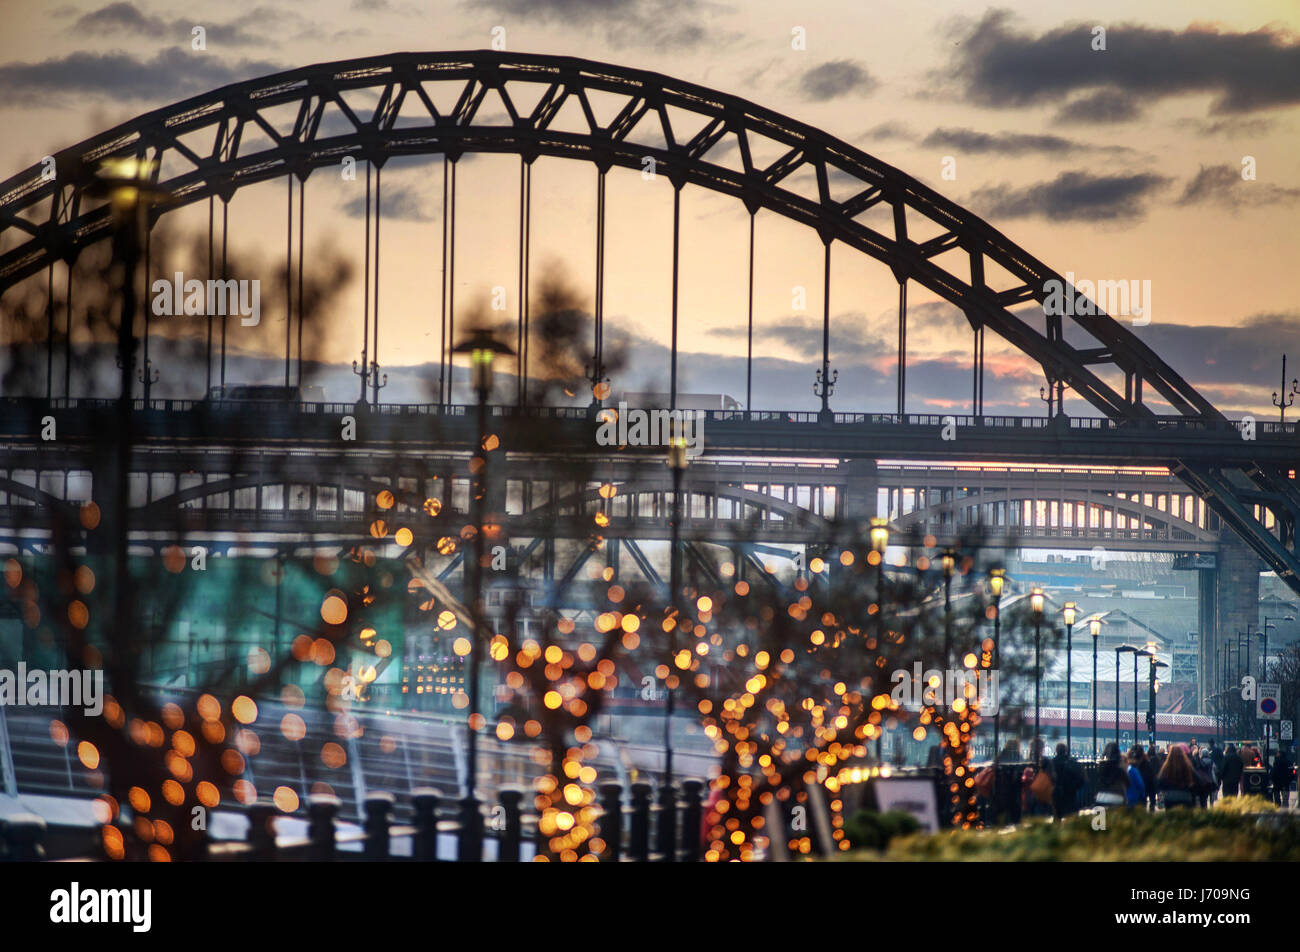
1268,703
1286,730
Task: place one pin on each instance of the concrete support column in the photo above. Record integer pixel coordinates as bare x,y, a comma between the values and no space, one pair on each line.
1230,597
860,489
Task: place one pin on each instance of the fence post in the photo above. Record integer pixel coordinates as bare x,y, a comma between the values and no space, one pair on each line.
639,829
379,807
667,830
469,842
512,832
611,823
261,829
425,800
23,833
322,808
691,820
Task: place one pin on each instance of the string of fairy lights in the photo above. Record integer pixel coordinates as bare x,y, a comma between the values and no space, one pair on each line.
765,666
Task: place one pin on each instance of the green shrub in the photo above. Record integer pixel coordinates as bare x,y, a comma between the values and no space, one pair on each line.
1232,833
868,829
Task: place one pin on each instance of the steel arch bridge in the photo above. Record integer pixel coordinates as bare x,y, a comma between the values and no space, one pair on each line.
847,196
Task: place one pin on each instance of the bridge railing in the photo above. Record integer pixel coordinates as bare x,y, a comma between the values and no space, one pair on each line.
1159,423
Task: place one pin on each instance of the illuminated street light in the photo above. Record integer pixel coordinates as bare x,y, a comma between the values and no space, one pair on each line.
1036,605
1094,628
1069,658
483,348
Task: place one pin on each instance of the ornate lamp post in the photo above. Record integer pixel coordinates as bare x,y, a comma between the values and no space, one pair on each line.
1285,398
1069,612
879,536
483,349
1036,606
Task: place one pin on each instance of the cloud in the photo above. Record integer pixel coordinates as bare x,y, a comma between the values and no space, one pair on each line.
1229,126
1071,196
661,25
1003,67
1007,143
124,17
1234,365
171,75
1105,105
1223,185
399,203
888,130
834,79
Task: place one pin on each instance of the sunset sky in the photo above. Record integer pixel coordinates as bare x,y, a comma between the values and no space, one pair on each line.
1115,164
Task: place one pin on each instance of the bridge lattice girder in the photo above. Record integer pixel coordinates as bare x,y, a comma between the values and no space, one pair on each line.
44,218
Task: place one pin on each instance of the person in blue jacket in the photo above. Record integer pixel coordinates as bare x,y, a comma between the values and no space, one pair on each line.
1137,789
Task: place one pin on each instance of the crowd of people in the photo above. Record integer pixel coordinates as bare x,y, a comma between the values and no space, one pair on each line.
1182,776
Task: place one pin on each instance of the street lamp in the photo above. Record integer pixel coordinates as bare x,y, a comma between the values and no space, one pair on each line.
1151,698
1094,629
483,349
677,461
1137,652
1263,675
1121,649
129,185
1036,606
1069,611
1263,661
997,578
879,535
949,563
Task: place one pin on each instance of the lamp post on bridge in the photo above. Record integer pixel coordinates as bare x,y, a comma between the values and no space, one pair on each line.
1285,398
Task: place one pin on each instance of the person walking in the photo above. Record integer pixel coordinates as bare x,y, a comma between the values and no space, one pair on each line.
1112,778
1039,784
1230,776
1208,776
1069,781
1137,756
1177,780
1283,774
1137,786
1006,805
